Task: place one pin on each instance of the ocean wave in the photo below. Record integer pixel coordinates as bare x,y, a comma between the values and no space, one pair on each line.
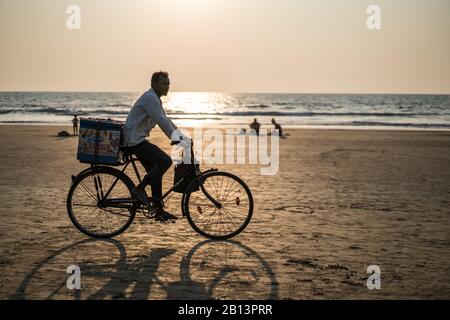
405,124
111,112
33,105
29,122
255,106
48,110
283,103
65,111
118,105
58,111
356,124
328,114
52,110
288,107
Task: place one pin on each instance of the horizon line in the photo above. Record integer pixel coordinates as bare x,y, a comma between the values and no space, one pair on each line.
260,92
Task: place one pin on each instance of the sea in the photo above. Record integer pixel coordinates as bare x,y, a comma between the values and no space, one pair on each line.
209,109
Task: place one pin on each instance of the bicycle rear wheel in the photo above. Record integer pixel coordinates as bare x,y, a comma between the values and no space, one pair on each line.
89,206
218,223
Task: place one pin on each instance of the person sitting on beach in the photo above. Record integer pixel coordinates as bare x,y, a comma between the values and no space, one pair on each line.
143,116
277,127
75,124
255,125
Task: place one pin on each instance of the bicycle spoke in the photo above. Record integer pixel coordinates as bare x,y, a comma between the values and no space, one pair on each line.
217,187
118,213
226,187
84,205
208,219
238,194
211,188
235,192
209,225
221,183
234,210
231,217
91,193
230,190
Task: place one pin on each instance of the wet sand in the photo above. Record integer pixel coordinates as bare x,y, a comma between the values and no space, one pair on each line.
341,201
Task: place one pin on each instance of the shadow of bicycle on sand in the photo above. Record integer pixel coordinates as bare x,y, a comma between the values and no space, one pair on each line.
210,270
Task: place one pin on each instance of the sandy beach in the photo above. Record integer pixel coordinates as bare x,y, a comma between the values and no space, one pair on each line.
342,200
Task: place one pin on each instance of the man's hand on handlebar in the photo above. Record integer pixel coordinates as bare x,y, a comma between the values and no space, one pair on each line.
183,141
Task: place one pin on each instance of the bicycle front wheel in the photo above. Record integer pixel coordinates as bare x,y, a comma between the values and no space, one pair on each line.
236,208
99,202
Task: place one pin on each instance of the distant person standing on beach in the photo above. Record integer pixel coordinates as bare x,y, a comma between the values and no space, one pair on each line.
255,125
75,125
277,127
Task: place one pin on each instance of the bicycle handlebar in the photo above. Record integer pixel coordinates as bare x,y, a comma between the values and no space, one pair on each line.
172,143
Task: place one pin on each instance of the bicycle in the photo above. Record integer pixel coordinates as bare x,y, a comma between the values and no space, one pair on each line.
217,204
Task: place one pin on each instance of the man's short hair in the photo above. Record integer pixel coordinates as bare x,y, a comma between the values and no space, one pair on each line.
158,75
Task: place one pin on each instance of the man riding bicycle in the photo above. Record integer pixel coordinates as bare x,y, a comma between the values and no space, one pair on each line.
142,118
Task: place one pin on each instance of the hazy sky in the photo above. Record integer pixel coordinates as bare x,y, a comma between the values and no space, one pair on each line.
227,45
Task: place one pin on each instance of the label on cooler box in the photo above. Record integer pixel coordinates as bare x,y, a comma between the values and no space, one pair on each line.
107,142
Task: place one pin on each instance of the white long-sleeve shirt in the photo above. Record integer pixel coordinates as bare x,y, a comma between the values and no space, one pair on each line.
142,118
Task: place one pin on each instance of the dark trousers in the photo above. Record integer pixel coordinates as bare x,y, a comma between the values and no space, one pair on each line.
155,161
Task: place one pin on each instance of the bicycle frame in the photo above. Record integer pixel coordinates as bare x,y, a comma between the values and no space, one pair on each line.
125,202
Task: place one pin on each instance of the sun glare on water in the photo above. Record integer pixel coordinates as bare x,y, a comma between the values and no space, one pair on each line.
194,105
